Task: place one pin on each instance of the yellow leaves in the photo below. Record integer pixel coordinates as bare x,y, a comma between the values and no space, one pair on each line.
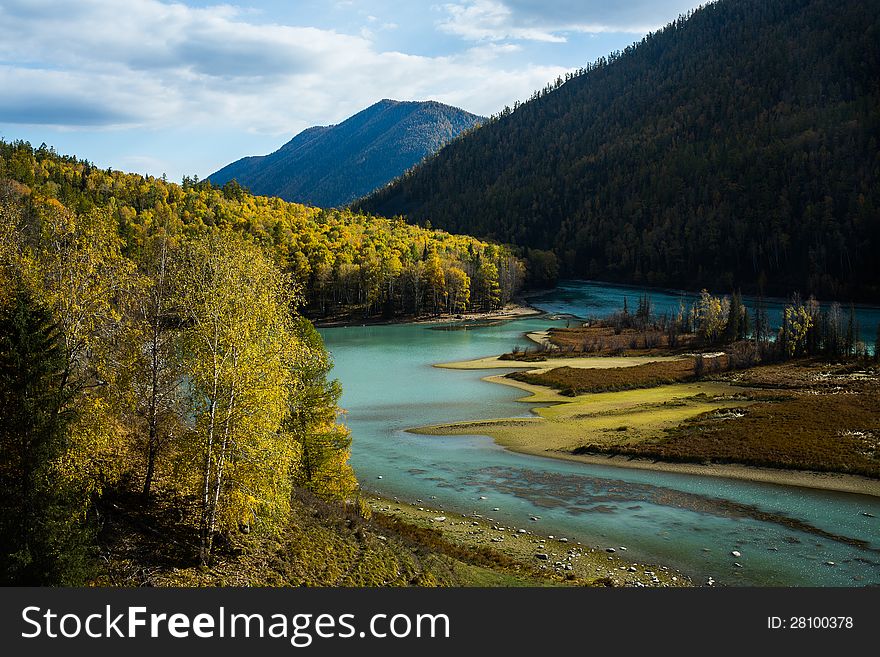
238,350
94,458
257,489
334,477
58,206
436,278
458,284
711,315
238,366
799,321
9,248
78,270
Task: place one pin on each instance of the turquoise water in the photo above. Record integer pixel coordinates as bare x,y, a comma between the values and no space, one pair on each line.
785,534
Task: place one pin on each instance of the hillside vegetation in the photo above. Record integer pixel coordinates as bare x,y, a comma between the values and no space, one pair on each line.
158,382
736,147
342,262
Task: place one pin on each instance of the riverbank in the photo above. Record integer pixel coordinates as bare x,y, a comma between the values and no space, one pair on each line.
627,421
550,362
556,559
516,309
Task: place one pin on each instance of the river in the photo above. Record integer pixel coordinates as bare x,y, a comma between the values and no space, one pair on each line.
787,536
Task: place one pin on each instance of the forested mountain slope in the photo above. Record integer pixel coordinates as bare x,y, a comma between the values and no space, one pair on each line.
737,147
329,166
343,262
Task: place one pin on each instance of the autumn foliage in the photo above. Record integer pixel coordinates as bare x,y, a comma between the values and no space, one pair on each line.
151,341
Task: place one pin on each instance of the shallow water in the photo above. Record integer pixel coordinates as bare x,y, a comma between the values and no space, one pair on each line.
785,534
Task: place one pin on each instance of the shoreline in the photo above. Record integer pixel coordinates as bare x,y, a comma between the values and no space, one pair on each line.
558,560
829,481
516,309
504,432
550,362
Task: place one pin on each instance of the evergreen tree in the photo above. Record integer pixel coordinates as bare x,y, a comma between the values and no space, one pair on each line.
324,445
734,329
877,345
851,334
42,538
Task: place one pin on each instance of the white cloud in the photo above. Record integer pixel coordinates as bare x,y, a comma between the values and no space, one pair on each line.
540,20
489,20
147,63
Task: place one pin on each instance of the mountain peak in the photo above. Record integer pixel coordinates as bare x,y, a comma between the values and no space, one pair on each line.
330,166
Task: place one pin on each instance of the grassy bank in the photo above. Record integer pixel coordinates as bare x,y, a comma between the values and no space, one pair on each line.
801,423
329,544
571,381
613,419
822,418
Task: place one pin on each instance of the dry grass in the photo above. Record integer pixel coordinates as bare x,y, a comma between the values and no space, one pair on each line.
572,381
828,421
603,340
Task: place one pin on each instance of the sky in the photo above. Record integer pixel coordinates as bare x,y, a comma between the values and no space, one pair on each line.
184,88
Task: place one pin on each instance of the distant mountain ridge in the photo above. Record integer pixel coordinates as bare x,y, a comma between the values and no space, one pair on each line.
330,166
737,147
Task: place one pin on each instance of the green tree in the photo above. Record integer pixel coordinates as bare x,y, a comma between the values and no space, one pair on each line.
313,408
237,348
488,288
42,535
737,319
877,345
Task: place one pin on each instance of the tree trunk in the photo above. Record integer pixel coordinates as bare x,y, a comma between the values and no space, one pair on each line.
153,436
205,535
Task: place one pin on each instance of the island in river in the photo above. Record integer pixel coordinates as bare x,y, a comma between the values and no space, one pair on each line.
697,390
770,424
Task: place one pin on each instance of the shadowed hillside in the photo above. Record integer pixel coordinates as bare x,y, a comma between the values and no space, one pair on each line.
734,147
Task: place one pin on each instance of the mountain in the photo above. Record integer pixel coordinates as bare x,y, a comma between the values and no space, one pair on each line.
329,166
737,147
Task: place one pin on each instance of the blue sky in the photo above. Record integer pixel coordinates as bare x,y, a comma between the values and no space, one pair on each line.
184,88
